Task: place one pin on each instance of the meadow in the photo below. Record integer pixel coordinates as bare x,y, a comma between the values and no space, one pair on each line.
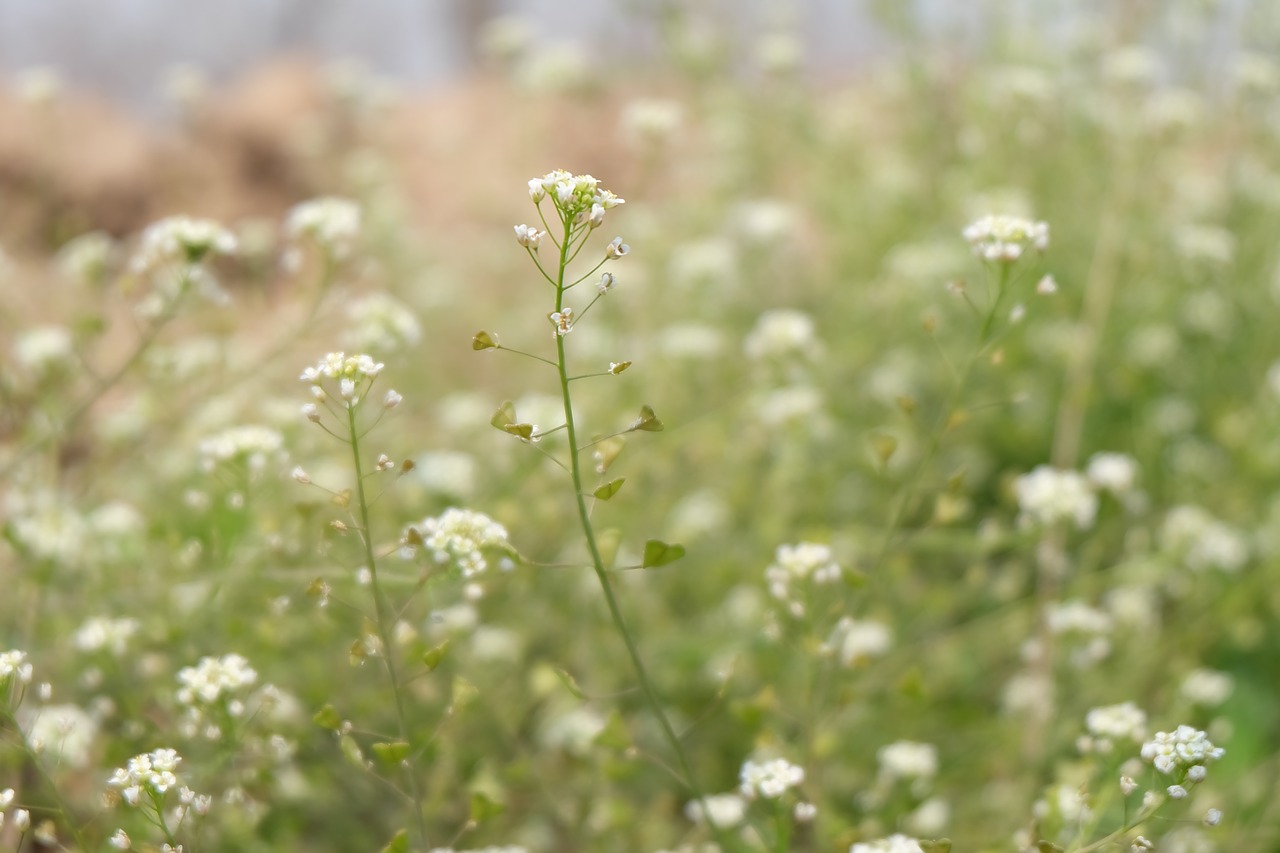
696,456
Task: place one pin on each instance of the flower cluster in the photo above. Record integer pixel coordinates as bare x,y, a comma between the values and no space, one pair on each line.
88,258
64,734
331,223
103,632
1049,495
212,684
1202,541
1109,723
799,562
1183,754
780,334
382,320
459,537
1113,472
908,760
153,773
44,349
213,677
578,198
769,779
1085,629
1005,238
182,240
726,810
254,444
21,818
14,667
354,374
857,641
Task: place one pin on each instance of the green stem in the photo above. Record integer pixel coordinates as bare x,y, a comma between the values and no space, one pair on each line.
944,420
107,382
384,622
722,836
10,720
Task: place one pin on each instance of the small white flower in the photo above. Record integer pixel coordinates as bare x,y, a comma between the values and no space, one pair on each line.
616,249
120,840
908,760
392,399
1048,495
563,321
726,810
606,282
331,223
529,236
1005,238
1212,817
770,779
1114,472
1177,792
1127,785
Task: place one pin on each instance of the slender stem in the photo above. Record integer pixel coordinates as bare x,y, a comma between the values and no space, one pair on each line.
723,837
384,622
106,383
944,422
11,721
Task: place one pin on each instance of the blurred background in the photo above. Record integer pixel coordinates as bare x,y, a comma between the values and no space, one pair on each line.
120,48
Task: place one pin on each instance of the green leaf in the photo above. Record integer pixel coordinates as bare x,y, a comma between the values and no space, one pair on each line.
431,658
391,753
328,718
936,845
398,844
647,421
506,414
659,553
609,489
1048,847
484,340
570,683
484,807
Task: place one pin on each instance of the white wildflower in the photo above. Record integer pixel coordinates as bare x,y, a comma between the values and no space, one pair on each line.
1048,495
769,779
1005,238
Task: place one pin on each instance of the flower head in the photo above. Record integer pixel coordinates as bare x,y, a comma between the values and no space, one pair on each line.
459,537
182,240
1005,238
769,779
1049,495
1183,753
578,198
529,236
331,223
353,373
